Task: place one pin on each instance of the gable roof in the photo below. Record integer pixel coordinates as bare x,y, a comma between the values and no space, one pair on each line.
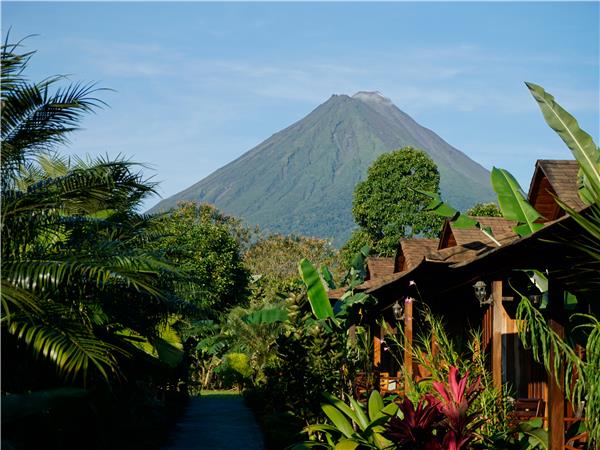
554,177
412,251
378,266
452,235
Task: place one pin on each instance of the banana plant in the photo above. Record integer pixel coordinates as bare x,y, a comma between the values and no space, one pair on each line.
541,337
317,292
580,143
267,315
513,203
352,425
438,206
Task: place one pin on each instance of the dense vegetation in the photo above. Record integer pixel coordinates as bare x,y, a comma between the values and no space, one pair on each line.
111,317
89,351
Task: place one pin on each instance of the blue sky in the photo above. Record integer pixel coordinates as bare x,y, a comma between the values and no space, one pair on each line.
198,84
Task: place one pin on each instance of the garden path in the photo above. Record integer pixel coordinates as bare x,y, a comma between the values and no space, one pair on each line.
216,422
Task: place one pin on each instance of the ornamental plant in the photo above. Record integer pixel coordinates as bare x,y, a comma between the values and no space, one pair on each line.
442,421
455,401
419,426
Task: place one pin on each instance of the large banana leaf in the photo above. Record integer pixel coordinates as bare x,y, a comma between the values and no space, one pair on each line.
317,295
438,206
266,316
582,145
513,204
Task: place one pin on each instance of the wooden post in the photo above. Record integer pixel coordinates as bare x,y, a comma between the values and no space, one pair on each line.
408,333
556,391
497,330
376,352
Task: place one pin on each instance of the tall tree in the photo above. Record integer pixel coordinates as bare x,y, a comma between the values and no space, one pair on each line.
387,205
206,245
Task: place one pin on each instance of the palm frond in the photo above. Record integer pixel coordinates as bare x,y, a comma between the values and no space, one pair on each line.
34,120
73,348
39,275
21,299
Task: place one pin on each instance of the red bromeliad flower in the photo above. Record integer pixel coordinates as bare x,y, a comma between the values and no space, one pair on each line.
456,398
417,428
438,424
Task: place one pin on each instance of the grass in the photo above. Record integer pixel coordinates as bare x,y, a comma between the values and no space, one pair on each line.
219,392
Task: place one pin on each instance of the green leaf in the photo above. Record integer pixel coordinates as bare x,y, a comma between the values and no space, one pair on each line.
317,295
377,424
438,206
266,316
539,436
464,221
327,277
169,345
363,421
138,341
346,444
338,419
513,204
580,143
375,405
342,407
391,409
320,427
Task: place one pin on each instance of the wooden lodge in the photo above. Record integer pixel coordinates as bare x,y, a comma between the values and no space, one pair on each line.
441,274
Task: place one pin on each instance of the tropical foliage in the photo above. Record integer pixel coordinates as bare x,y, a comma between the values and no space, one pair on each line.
557,354
82,297
71,239
388,206
352,425
484,209
206,246
444,421
581,376
273,262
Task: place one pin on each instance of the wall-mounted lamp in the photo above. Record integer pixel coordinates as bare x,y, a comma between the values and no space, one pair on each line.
481,293
398,311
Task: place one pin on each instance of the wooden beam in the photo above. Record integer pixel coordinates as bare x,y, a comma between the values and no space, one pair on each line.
408,334
498,314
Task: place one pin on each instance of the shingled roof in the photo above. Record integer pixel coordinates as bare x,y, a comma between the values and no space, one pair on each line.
378,266
470,250
412,251
554,177
452,235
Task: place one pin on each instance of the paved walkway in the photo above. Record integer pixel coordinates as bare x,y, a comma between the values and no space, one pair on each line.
216,422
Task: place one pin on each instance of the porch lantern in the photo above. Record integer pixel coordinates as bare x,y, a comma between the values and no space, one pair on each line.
398,311
481,294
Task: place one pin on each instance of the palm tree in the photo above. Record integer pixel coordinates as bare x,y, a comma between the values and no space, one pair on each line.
76,285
